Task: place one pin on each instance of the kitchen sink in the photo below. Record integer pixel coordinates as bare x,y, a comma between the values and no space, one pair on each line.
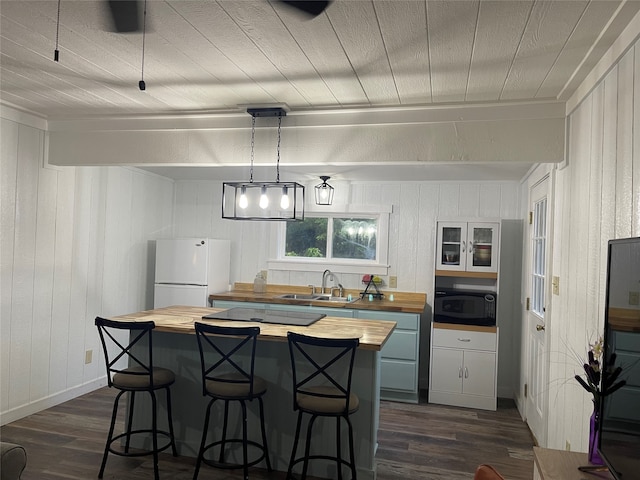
300,296
316,297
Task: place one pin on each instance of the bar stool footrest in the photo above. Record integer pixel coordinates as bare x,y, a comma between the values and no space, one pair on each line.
139,452
232,466
343,461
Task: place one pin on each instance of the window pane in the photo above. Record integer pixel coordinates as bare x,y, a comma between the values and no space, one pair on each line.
355,238
539,256
451,234
307,238
483,235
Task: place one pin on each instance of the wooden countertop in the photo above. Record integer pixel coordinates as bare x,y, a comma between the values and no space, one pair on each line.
563,465
403,301
180,319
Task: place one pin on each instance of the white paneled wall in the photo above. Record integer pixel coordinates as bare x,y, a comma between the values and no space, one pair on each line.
416,208
74,245
596,199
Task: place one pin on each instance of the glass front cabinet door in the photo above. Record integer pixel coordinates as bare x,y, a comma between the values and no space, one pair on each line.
468,246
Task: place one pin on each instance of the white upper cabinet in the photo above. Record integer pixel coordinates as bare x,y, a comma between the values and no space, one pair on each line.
468,246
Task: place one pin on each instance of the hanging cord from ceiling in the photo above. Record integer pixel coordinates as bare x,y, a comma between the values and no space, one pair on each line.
278,157
56,52
253,135
141,83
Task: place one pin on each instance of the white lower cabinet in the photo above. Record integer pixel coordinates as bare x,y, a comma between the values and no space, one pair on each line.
463,366
399,357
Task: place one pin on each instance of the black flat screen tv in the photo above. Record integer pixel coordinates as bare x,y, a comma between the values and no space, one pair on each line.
619,439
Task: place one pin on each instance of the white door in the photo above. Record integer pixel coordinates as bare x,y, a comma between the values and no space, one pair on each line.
479,373
182,261
536,402
190,295
446,370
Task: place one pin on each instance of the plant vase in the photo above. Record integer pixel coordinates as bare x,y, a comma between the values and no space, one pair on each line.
594,433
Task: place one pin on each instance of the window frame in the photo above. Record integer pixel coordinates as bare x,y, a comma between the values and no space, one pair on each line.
380,266
539,258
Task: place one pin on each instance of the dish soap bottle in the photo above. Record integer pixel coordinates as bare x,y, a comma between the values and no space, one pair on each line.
259,283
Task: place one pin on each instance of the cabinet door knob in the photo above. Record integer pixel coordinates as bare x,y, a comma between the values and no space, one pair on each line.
464,339
466,372
539,327
460,372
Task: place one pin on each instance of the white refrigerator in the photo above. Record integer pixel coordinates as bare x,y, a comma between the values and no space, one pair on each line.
188,270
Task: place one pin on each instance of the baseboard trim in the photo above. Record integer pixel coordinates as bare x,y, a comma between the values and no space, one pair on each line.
51,401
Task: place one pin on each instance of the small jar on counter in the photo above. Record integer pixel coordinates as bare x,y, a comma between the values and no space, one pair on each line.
259,284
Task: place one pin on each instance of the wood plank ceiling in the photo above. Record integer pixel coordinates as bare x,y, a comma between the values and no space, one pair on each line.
219,56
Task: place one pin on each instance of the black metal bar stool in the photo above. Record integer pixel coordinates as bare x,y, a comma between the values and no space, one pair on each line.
322,369
227,357
138,375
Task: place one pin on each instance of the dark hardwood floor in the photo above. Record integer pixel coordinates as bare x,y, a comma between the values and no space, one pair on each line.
415,442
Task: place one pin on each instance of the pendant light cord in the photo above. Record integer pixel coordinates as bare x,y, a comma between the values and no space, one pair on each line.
56,52
278,157
253,134
141,84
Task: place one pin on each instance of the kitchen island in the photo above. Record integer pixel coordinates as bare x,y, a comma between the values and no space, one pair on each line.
400,357
175,347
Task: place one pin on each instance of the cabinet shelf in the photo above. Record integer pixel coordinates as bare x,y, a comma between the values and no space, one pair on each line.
457,273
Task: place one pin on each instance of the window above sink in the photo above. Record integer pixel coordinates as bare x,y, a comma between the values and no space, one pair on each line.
324,242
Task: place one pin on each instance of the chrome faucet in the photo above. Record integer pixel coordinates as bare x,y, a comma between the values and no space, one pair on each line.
325,274
328,274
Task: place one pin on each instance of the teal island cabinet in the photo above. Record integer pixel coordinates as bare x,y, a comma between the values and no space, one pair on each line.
399,356
175,347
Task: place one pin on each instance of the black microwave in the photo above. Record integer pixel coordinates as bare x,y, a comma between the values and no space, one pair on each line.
467,307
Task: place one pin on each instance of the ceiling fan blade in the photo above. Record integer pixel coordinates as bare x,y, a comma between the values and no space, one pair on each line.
310,7
125,15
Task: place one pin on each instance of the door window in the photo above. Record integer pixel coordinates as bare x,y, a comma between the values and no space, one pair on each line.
539,249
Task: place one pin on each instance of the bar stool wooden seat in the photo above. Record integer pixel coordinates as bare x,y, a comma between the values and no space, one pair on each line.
137,374
322,369
227,358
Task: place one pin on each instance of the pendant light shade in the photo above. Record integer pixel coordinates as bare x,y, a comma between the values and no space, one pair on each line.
263,200
324,192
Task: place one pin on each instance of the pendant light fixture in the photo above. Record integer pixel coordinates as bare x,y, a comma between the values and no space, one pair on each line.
324,192
263,200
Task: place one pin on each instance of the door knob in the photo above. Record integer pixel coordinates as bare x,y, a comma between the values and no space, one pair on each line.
539,327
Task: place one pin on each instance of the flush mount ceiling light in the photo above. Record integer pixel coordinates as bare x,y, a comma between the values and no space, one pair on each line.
324,192
263,200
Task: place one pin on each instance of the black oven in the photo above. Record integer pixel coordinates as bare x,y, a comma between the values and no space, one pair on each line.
467,307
